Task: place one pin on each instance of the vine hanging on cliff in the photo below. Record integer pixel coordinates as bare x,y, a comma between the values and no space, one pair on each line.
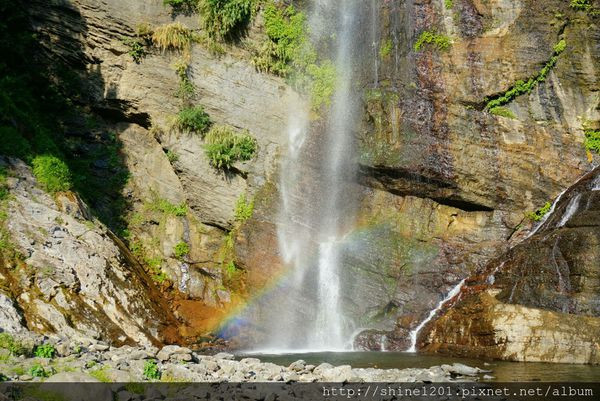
524,87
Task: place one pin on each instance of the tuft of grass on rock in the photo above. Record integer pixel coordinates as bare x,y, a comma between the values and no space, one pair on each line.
192,120
52,173
174,36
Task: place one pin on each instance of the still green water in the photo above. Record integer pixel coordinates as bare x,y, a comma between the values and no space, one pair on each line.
502,371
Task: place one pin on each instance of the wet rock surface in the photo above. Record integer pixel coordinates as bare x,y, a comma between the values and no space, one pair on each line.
538,302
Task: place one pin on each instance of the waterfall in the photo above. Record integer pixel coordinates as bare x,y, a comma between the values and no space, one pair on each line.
413,334
305,312
570,211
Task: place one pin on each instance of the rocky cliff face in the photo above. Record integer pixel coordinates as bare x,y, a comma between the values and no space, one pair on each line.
444,180
538,302
137,102
68,274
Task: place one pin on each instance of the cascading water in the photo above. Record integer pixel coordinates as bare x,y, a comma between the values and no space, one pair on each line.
305,312
414,334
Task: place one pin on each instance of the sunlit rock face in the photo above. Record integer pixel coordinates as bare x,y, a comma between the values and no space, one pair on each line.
71,276
442,184
446,183
538,302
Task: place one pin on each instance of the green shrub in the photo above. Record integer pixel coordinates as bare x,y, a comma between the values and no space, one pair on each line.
174,36
502,112
15,347
182,6
225,19
448,3
52,173
592,141
224,147
439,42
3,377
151,371
286,31
539,214
192,120
38,370
523,87
45,351
243,209
155,268
137,49
181,250
323,78
386,48
581,4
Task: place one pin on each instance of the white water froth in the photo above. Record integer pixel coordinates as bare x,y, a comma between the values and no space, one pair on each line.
551,211
304,312
413,334
570,211
596,184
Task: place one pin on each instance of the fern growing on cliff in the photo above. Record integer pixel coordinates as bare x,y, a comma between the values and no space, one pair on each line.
224,147
439,42
52,173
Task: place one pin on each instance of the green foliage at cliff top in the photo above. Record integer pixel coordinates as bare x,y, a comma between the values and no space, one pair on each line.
592,141
224,147
288,53
439,42
524,87
226,19
37,101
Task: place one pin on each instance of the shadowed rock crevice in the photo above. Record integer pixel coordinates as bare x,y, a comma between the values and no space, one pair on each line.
404,182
